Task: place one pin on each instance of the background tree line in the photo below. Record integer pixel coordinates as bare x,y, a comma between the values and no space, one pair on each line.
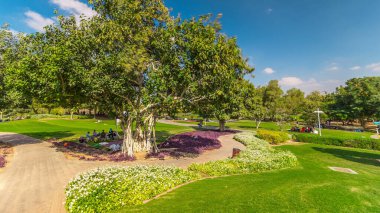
358,100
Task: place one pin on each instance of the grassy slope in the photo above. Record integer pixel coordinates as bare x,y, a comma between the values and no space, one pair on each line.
309,187
72,129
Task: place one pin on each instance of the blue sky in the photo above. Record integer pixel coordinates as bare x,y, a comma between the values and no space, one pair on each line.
308,44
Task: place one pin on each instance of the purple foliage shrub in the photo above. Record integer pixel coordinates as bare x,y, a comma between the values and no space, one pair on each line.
88,153
190,144
2,161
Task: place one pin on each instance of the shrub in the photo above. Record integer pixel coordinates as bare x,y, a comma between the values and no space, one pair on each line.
258,156
58,111
358,142
42,116
110,188
191,143
273,137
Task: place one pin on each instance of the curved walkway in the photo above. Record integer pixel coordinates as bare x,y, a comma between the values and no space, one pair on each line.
35,179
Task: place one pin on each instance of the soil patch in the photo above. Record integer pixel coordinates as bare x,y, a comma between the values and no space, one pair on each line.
6,149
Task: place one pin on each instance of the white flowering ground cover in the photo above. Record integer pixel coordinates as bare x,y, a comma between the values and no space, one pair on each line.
111,188
258,156
108,189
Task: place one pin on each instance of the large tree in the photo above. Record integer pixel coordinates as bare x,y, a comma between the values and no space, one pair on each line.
358,99
136,61
252,102
50,68
272,98
294,102
146,62
9,53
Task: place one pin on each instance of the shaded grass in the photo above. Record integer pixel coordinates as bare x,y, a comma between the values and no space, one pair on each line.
243,125
251,125
310,187
65,129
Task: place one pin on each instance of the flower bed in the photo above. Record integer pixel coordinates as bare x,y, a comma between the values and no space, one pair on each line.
90,153
258,156
107,189
190,144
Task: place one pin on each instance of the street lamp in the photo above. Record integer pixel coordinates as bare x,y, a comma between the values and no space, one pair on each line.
378,127
319,120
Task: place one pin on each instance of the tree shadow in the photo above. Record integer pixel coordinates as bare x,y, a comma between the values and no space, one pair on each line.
32,137
246,127
162,136
354,156
50,135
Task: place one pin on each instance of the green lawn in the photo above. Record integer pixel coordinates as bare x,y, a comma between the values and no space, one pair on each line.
251,125
66,129
311,187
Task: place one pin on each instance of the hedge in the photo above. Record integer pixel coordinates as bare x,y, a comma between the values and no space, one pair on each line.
273,137
362,143
108,189
258,156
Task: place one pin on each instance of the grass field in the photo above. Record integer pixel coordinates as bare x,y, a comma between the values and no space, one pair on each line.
311,187
66,129
242,125
251,125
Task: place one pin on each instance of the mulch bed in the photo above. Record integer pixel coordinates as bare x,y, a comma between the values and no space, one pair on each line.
88,153
190,144
5,149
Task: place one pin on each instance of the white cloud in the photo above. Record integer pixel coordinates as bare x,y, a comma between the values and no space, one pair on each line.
269,70
290,81
309,85
333,68
374,67
355,68
269,11
36,21
74,7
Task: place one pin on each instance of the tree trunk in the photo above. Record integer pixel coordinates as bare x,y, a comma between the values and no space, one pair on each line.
1,115
95,112
362,122
155,148
71,114
151,134
128,141
34,110
139,139
49,110
222,124
258,122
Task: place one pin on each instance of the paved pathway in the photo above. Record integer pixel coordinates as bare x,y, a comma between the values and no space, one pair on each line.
35,179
